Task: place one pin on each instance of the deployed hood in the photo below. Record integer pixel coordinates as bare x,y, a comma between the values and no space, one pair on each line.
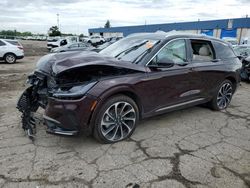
59,63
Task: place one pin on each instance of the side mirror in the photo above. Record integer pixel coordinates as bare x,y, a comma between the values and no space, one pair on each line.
163,63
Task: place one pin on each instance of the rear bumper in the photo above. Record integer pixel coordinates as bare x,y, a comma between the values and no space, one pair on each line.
20,57
68,117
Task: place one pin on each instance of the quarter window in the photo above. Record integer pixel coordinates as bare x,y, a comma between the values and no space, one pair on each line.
175,51
2,43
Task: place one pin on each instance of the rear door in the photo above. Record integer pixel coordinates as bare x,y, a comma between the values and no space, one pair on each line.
205,66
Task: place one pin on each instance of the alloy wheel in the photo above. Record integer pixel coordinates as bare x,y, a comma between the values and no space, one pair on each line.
118,121
10,58
224,95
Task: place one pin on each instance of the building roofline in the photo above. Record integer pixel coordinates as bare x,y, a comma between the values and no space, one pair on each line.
192,25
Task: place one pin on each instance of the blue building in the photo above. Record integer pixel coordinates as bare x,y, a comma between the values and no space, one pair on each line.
238,28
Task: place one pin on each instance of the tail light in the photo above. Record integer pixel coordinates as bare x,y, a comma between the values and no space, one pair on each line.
20,47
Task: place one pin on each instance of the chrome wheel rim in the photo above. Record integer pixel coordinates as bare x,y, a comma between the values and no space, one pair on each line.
10,58
118,121
224,95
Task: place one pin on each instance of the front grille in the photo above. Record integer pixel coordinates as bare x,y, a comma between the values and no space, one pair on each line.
23,102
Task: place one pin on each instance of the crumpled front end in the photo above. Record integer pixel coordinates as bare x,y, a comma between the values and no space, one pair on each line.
61,84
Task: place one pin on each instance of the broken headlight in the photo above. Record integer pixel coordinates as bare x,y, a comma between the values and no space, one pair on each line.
74,92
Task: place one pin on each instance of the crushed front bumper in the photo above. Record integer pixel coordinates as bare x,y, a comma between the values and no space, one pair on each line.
68,117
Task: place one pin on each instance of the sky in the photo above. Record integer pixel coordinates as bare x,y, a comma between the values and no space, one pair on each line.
77,16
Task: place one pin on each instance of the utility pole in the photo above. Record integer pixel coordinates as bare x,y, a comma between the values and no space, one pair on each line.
58,21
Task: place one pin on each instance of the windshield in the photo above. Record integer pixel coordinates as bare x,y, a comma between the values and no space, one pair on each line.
129,49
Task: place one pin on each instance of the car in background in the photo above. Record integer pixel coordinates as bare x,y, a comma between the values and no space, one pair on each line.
56,42
245,70
144,75
104,45
242,51
78,46
96,39
232,40
10,50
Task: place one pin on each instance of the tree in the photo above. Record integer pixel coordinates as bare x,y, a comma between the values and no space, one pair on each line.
107,24
54,31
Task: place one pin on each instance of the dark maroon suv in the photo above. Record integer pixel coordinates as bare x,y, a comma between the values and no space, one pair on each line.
143,75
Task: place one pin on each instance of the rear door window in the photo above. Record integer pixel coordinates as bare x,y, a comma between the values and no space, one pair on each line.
2,43
202,50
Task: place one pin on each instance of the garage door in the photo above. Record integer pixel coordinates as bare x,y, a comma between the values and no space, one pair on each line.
208,32
228,33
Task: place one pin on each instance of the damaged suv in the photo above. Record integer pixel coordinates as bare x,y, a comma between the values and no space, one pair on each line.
143,75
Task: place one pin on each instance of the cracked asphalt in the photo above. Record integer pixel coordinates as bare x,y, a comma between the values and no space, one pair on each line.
191,148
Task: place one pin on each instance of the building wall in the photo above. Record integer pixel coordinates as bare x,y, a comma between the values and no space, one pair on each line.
218,26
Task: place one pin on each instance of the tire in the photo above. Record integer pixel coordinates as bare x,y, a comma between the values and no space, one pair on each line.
10,58
111,127
222,97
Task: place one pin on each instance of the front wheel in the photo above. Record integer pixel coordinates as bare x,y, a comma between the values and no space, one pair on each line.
223,96
116,119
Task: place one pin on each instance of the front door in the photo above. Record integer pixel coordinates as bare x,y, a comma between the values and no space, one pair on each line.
170,85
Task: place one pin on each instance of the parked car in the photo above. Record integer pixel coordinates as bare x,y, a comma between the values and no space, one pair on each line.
78,46
245,70
242,50
102,46
232,40
56,42
107,93
96,39
10,50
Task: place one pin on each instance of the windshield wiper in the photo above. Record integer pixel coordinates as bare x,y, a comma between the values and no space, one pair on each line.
131,49
139,58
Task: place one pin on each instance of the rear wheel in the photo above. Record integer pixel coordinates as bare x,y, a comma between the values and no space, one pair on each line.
116,119
223,96
10,58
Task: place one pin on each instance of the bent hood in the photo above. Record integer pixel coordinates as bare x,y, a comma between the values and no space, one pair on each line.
59,63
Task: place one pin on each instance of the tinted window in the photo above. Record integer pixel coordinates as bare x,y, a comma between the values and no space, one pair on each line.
13,42
2,43
223,51
175,51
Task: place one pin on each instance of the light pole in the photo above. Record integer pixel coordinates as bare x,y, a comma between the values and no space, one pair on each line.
58,20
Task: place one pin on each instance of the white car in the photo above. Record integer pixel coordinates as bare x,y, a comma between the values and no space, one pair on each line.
10,50
57,42
96,39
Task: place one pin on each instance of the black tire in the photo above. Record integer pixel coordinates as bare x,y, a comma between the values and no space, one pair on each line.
10,58
125,131
215,102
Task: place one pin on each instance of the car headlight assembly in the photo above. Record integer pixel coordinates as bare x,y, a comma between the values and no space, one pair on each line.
75,92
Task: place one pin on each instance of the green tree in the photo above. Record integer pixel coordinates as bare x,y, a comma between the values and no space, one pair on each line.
54,31
107,24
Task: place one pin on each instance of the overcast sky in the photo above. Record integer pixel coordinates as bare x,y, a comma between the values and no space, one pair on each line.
76,16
